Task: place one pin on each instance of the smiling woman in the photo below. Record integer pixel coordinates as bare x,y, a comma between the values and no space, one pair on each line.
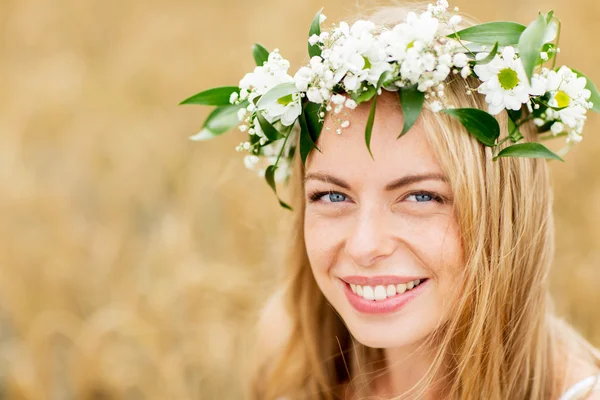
420,272
420,262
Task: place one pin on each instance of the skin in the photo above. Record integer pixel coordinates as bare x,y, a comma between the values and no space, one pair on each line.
367,230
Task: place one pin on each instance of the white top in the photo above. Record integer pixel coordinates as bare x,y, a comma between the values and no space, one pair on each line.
582,389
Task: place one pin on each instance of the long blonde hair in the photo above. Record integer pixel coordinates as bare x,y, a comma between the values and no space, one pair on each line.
503,340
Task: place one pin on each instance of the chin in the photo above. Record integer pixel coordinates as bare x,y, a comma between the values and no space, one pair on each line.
389,332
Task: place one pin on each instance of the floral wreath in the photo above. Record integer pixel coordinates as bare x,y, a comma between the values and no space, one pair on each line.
350,65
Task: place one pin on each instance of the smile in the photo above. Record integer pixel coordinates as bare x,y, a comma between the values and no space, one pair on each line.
383,298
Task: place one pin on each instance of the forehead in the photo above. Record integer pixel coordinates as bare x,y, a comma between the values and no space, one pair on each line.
346,155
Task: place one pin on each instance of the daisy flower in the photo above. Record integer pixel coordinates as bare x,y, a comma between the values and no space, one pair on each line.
504,81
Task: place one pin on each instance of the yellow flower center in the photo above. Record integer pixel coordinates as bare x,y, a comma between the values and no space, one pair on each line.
562,99
285,100
508,79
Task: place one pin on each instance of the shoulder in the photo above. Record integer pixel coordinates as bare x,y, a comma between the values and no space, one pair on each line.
582,382
274,326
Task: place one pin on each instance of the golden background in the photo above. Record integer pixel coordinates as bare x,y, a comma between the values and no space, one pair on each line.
133,261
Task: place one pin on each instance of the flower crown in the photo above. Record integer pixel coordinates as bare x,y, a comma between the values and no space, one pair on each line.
350,65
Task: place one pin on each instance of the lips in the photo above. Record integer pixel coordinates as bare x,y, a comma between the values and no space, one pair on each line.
380,295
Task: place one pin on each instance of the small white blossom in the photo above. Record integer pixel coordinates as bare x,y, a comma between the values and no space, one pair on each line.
351,104
436,106
460,60
234,97
455,20
557,128
314,39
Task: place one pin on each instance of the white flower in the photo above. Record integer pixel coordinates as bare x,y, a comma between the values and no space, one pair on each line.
303,78
465,71
557,128
460,60
544,56
455,20
504,82
241,114
568,90
314,39
436,106
314,95
338,99
234,97
351,104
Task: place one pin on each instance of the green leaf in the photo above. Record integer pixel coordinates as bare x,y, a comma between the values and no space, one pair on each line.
270,178
315,29
313,122
261,55
269,130
362,96
277,92
478,123
529,150
595,97
490,56
219,121
530,44
306,141
505,33
213,97
385,79
411,101
369,127
513,131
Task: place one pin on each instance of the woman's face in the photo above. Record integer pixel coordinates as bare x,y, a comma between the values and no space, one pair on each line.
375,228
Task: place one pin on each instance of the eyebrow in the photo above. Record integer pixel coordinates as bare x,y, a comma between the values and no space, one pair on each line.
398,183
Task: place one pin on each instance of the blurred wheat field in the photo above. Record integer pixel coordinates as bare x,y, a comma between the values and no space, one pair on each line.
133,262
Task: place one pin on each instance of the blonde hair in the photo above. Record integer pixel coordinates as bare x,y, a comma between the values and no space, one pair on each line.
503,340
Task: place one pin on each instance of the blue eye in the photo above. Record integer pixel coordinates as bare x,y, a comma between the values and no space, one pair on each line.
335,197
421,197
327,197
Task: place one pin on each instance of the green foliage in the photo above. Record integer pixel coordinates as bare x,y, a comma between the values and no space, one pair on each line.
529,150
370,122
478,123
411,101
315,29
213,97
261,55
219,121
531,43
503,33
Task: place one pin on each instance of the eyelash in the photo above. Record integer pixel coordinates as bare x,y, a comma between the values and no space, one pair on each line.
316,195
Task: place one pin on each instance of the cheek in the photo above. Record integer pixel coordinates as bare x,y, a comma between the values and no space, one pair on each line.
320,239
437,241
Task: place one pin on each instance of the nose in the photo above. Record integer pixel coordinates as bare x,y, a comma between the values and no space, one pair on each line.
369,241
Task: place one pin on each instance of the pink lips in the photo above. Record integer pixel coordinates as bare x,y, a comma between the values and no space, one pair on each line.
389,305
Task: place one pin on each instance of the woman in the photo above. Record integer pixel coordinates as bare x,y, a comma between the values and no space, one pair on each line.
476,235
419,266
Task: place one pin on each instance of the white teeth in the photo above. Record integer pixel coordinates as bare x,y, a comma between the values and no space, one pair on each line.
401,288
368,293
379,293
391,290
